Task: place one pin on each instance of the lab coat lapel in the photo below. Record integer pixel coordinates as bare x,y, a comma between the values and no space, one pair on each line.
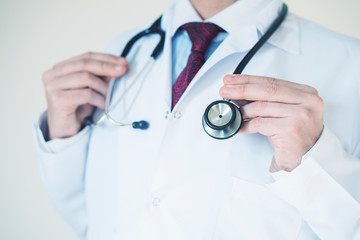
163,67
162,71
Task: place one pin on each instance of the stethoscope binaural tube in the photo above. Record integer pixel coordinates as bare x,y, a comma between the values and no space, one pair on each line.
222,119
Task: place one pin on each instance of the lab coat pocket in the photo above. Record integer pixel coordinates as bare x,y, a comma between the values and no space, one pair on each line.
251,211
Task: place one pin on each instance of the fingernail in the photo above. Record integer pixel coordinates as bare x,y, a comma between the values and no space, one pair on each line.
118,67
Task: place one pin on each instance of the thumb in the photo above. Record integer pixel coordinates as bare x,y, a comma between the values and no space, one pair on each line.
84,111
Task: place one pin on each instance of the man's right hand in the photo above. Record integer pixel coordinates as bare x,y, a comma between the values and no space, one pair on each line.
75,86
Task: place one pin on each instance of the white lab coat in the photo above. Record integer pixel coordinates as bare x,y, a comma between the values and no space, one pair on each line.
173,181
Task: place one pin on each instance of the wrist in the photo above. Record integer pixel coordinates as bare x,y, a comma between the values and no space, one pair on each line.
63,131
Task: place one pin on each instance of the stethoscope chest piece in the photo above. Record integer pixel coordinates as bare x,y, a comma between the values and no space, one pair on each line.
222,119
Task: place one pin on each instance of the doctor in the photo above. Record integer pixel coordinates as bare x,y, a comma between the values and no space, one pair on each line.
292,172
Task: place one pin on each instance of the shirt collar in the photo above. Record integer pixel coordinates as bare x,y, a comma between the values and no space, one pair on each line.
242,18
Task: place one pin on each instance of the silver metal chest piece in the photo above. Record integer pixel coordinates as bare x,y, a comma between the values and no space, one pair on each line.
222,119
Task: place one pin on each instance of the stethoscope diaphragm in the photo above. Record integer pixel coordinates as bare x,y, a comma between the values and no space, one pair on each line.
222,119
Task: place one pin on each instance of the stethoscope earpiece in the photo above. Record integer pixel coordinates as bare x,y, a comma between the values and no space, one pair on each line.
222,119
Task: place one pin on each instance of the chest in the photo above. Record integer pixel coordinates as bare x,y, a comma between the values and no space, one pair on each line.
173,181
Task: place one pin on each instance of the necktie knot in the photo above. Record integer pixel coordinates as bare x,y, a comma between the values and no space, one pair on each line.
201,34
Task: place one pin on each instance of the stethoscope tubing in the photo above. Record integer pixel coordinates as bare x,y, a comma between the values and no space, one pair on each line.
272,29
155,28
146,68
233,126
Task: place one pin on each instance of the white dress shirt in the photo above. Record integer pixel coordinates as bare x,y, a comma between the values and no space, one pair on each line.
173,181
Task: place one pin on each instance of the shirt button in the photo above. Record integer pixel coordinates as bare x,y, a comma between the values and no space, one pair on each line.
167,113
177,115
155,202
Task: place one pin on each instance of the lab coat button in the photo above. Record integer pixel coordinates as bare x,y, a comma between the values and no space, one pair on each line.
156,202
177,115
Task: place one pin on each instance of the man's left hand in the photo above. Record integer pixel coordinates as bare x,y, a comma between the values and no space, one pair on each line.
289,114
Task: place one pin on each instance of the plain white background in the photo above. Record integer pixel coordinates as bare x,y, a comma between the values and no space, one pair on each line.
34,35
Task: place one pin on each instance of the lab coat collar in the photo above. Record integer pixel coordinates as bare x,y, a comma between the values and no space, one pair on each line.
243,18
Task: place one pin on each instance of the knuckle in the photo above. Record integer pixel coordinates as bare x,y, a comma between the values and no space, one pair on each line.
319,101
305,114
260,105
311,89
55,97
295,128
270,80
270,87
48,88
92,82
82,63
105,66
88,93
242,89
256,123
316,100
45,76
285,166
85,76
88,54
112,58
314,90
243,78
281,165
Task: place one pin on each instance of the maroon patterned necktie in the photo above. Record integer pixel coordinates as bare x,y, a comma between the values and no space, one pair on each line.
201,35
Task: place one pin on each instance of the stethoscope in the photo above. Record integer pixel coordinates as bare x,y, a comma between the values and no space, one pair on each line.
222,119
155,28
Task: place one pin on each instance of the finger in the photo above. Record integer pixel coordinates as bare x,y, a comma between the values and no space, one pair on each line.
236,79
95,56
106,78
265,126
78,80
240,103
268,110
263,92
101,68
75,97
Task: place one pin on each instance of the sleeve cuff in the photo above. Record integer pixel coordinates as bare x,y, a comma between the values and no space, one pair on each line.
329,156
56,145
324,188
275,171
